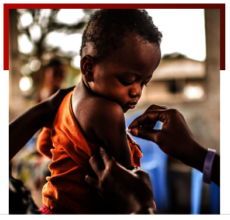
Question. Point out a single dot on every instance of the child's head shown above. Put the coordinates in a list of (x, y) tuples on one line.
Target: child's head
[(120, 51)]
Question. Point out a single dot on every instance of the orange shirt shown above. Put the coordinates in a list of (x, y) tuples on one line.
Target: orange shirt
[(65, 144)]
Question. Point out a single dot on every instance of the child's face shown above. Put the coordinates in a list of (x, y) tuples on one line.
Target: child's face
[(122, 76)]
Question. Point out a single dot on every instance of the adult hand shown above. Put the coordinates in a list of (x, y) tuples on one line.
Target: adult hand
[(127, 191), (175, 137)]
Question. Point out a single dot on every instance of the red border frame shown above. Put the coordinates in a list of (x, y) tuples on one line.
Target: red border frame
[(99, 6)]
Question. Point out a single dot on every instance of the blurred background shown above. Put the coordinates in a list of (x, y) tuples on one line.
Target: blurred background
[(44, 56)]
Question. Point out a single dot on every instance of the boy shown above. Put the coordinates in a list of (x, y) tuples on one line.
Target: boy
[(120, 51)]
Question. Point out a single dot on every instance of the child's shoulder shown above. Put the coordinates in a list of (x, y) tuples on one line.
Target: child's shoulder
[(97, 115), (105, 108)]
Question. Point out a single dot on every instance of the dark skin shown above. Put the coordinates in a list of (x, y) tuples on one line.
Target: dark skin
[(26, 125), (23, 128), (108, 89), (20, 132), (115, 183), (114, 179), (127, 191), (175, 138)]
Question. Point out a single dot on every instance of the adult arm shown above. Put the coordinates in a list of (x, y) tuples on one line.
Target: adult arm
[(27, 124), (175, 138)]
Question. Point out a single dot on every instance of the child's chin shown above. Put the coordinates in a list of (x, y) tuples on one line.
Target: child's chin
[(125, 109)]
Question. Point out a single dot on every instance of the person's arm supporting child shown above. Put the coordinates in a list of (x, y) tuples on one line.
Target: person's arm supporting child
[(26, 125)]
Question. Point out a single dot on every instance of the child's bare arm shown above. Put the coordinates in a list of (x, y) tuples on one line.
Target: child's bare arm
[(109, 127)]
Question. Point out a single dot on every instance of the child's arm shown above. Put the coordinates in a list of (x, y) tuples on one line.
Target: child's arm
[(109, 127)]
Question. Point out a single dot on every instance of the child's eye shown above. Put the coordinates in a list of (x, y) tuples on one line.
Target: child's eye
[(125, 83)]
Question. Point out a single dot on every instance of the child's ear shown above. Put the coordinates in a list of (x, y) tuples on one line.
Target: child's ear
[(87, 67)]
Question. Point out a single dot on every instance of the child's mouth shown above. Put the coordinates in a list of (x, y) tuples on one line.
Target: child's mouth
[(131, 105)]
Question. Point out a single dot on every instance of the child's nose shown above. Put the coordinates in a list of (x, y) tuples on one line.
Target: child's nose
[(135, 91)]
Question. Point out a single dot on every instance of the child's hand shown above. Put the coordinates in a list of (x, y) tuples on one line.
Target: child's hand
[(127, 191)]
